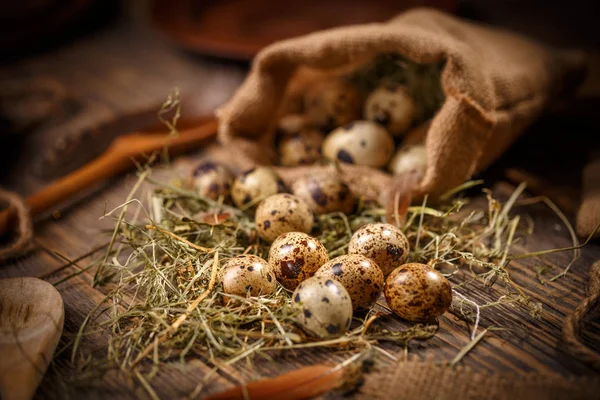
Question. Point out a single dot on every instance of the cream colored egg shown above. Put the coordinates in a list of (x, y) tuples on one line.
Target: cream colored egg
[(359, 142), (361, 277), (417, 292), (248, 275), (409, 159), (383, 243), (291, 124), (302, 148), (211, 180), (296, 256), (282, 213), (255, 185), (324, 307), (393, 107), (325, 193), (332, 102)]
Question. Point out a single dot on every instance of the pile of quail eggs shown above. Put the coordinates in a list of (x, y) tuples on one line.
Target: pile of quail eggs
[(325, 293), (336, 124)]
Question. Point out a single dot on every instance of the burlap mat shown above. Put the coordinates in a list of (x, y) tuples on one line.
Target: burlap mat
[(426, 380)]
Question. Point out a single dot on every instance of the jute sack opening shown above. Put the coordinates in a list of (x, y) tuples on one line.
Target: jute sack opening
[(496, 84)]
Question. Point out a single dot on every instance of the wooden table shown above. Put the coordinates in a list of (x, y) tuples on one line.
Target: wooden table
[(127, 66)]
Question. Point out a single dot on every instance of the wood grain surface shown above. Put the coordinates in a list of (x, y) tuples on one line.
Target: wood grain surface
[(127, 67)]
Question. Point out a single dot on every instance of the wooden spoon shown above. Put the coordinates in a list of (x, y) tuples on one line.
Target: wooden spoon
[(31, 322), (116, 159)]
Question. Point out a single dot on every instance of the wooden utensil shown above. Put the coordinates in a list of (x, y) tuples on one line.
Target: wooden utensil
[(31, 322), (116, 159), (303, 383)]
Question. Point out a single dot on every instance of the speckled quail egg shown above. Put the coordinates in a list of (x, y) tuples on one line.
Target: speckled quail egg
[(391, 106), (417, 292), (324, 307), (361, 277), (282, 213), (296, 256), (248, 274), (325, 193), (383, 243), (254, 185), (332, 102), (292, 123), (409, 159), (359, 142), (301, 148), (211, 180)]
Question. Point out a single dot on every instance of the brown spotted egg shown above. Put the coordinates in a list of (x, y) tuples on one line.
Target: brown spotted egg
[(211, 180), (417, 292), (361, 277), (324, 307), (282, 213), (325, 193), (248, 275), (393, 107), (359, 142), (332, 102), (301, 148), (383, 243), (409, 159), (296, 256), (254, 185)]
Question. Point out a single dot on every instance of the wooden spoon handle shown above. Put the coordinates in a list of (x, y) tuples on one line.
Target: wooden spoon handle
[(116, 159)]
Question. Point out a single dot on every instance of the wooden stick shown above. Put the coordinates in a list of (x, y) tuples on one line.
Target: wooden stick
[(303, 383), (117, 158)]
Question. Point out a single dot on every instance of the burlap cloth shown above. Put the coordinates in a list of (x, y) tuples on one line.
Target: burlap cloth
[(588, 215), (496, 83)]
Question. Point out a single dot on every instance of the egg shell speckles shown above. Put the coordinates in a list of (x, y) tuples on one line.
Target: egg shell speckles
[(332, 102), (211, 180), (302, 148), (324, 307), (255, 184), (417, 292), (361, 277), (392, 106), (248, 274), (383, 243), (361, 143), (282, 213), (325, 194), (295, 257)]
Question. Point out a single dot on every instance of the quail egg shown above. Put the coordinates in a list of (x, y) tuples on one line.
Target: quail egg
[(361, 277), (332, 102), (254, 185), (301, 148), (417, 292), (383, 243), (248, 275), (296, 256), (392, 106), (282, 213), (359, 142), (409, 159), (291, 124), (324, 307), (211, 180), (325, 193)]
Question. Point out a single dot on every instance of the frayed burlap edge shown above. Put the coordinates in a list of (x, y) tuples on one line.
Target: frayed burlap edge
[(23, 231)]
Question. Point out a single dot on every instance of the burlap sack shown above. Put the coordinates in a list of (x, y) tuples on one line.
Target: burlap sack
[(496, 84)]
